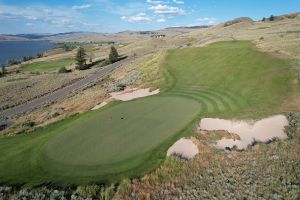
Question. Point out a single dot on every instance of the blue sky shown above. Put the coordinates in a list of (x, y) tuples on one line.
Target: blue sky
[(54, 16)]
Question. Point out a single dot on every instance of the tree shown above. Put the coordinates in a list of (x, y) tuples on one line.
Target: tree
[(91, 57), (11, 62), (63, 70), (113, 55), (39, 55), (3, 70), (272, 18), (27, 58), (263, 19), (81, 58)]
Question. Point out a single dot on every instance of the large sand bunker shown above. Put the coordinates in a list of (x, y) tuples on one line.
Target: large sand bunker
[(128, 95), (263, 130), (184, 148)]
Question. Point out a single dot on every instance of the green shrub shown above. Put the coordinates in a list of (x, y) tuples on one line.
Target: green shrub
[(88, 191), (28, 123), (27, 58), (39, 55), (109, 192), (123, 187), (105, 63), (291, 129), (113, 55), (63, 70)]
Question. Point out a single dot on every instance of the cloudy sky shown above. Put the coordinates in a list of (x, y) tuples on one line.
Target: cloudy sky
[(54, 16)]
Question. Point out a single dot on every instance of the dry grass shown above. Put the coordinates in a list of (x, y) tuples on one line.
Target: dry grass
[(21, 88), (74, 103), (260, 172), (282, 37), (152, 74)]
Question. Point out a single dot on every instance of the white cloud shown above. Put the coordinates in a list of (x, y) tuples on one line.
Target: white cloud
[(178, 1), (154, 1), (161, 20), (165, 9), (128, 8), (141, 17), (206, 21), (30, 17), (81, 7), (50, 18)]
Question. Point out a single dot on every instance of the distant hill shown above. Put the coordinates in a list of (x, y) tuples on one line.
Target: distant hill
[(239, 20), (32, 36), (189, 27), (11, 38), (129, 36), (93, 36)]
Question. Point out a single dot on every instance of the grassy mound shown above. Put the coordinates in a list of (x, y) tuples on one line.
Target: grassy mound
[(48, 66)]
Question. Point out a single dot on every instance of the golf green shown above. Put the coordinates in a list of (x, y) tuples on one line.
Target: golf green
[(121, 132), (98, 145)]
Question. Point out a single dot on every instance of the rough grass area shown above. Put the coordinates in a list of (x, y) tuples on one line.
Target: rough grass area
[(152, 72), (230, 79), (47, 66)]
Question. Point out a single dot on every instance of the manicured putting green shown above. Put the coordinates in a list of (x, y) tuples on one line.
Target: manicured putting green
[(103, 145), (121, 132)]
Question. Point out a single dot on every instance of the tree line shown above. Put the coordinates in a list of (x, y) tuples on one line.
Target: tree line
[(271, 18), (81, 58)]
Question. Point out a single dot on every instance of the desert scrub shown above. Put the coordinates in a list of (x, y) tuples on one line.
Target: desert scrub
[(262, 172), (122, 188), (28, 123), (118, 85), (152, 73), (63, 70), (34, 86), (89, 191), (294, 121)]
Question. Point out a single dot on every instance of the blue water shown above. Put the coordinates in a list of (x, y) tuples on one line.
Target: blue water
[(17, 49)]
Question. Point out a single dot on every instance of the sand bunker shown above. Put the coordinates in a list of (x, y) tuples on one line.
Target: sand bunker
[(184, 148), (99, 106), (128, 95), (263, 130)]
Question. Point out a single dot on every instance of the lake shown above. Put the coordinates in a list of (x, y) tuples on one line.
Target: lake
[(17, 49)]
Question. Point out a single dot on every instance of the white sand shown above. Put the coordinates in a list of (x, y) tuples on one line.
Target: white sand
[(99, 105), (133, 94), (183, 147), (263, 130)]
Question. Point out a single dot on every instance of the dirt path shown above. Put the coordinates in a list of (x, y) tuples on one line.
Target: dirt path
[(61, 92)]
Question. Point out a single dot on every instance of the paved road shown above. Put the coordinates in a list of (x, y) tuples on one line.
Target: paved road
[(61, 92)]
